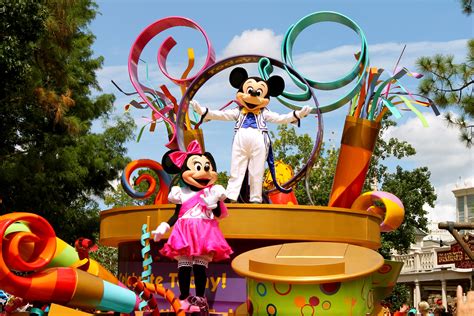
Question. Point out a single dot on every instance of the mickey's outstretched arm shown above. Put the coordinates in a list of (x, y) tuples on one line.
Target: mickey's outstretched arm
[(207, 115)]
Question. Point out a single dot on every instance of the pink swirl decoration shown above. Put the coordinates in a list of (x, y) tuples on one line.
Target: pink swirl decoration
[(142, 40)]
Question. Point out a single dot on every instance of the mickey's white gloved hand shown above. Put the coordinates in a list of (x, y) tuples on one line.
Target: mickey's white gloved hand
[(197, 107), (159, 232), (303, 112), (218, 191), (210, 199)]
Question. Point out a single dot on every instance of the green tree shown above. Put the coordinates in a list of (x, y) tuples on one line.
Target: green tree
[(51, 161), (399, 296), (294, 150), (385, 149), (106, 256), (466, 6), (414, 189), (222, 178), (117, 197), (450, 85)]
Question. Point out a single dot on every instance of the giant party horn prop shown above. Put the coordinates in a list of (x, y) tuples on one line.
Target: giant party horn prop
[(33, 249), (357, 144), (64, 256)]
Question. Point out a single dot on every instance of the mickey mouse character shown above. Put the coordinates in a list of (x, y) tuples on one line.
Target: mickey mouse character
[(196, 238), (251, 145)]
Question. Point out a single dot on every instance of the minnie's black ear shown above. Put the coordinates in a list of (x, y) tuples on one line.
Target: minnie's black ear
[(211, 159), (276, 85), (237, 77), (168, 165)]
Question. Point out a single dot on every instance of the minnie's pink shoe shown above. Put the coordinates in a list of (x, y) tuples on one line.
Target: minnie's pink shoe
[(188, 306), (200, 302)]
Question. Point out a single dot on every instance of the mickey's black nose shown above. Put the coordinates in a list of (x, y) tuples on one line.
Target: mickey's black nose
[(253, 93)]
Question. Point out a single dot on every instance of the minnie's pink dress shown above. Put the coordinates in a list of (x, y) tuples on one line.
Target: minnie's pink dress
[(196, 232)]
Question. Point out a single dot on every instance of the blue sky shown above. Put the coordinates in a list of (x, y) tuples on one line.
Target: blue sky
[(323, 51), (382, 21)]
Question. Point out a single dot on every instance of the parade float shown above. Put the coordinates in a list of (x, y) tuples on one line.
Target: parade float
[(288, 259)]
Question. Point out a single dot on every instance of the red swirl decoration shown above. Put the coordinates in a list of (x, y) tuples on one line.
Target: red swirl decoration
[(164, 178), (31, 251), (41, 240)]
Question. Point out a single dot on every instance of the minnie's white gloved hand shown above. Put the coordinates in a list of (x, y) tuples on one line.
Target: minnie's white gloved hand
[(210, 199), (159, 232)]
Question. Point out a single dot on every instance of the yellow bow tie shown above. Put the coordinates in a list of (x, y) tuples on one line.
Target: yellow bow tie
[(254, 112)]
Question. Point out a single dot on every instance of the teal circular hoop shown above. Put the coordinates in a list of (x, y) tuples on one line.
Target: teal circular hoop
[(359, 70)]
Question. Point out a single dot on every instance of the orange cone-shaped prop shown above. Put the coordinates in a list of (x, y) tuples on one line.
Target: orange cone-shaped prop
[(357, 144)]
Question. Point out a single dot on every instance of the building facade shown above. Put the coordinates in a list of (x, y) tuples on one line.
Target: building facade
[(422, 273), (464, 204)]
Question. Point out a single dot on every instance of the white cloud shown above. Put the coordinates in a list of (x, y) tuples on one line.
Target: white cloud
[(119, 74), (445, 206), (438, 148), (256, 41)]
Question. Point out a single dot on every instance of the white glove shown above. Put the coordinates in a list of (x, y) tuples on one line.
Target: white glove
[(210, 199), (160, 231), (303, 112), (197, 108)]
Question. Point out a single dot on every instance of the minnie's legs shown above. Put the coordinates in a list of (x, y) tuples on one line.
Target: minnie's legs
[(184, 275), (200, 279), (200, 264)]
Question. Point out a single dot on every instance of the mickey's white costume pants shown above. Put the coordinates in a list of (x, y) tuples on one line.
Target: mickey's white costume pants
[(249, 150), (250, 147)]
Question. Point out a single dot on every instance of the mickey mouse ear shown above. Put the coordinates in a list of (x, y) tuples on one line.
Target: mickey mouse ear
[(237, 77), (276, 85)]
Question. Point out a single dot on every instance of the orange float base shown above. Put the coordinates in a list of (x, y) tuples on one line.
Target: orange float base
[(248, 226)]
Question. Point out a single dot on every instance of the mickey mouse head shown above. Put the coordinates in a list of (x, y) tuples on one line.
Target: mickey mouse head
[(254, 92)]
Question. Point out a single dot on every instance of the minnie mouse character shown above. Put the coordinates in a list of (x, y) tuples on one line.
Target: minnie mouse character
[(196, 238), (252, 145)]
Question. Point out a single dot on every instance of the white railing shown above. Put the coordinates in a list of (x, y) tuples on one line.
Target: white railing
[(428, 261), (418, 261), (408, 262)]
